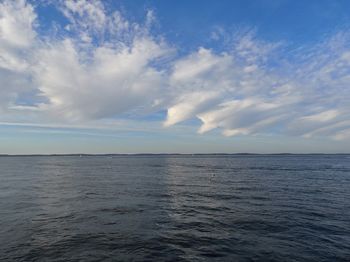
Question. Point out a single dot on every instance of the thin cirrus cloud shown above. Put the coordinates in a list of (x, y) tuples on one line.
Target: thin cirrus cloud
[(101, 66)]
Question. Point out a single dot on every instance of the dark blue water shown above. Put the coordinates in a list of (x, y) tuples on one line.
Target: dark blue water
[(175, 208)]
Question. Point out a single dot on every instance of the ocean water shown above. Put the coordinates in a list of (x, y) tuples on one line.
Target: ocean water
[(175, 208)]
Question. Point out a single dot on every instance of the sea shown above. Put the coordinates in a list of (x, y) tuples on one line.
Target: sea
[(175, 208)]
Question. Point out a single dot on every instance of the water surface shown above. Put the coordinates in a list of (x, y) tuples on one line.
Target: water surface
[(175, 208)]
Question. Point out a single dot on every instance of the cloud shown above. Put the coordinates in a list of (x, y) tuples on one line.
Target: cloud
[(256, 93), (16, 24), (17, 34), (112, 81), (189, 106), (230, 90), (102, 66)]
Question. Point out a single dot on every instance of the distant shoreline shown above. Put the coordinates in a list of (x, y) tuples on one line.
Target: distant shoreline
[(174, 154)]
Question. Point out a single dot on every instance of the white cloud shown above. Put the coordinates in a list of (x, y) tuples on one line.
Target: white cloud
[(16, 38), (240, 117), (189, 105), (83, 14), (321, 117), (308, 97), (16, 24), (112, 81)]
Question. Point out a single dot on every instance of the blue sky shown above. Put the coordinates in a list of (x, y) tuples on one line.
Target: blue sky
[(174, 76)]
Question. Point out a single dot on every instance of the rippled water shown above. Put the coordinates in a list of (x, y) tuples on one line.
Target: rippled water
[(175, 208)]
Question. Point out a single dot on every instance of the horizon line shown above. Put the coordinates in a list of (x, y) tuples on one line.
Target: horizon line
[(165, 154)]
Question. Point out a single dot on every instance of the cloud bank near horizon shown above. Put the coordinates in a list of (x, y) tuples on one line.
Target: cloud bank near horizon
[(99, 66)]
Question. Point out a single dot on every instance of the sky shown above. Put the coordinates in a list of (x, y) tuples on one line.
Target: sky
[(267, 76)]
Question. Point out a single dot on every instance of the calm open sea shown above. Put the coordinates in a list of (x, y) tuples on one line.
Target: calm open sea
[(175, 208)]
